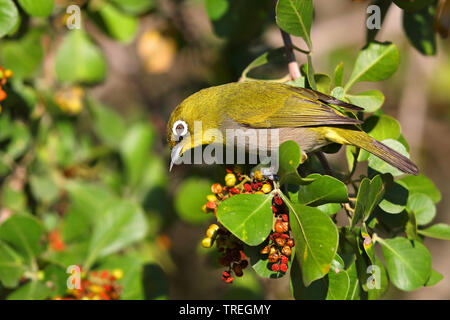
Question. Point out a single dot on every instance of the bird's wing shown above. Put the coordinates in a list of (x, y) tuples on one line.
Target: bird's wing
[(281, 106)]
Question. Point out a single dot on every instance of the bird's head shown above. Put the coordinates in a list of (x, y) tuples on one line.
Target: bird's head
[(192, 124)]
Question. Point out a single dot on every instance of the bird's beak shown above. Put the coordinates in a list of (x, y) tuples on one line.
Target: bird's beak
[(175, 154)]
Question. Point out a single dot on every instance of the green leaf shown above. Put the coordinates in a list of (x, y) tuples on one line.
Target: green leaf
[(324, 189), (422, 207), (338, 281), (421, 184), (329, 208), (370, 194), (371, 100), (41, 8), (23, 56), (316, 240), (190, 198), (437, 231), (78, 59), (376, 62), (338, 93), (56, 278), (295, 17), (135, 150), (32, 290), (121, 224), (419, 29), (310, 73), (323, 82), (339, 74), (413, 5), (12, 199), (382, 166), (263, 59), (354, 287), (382, 127), (248, 216), (216, 8), (108, 124), (379, 281), (11, 266), (411, 227), (44, 188), (23, 233), (120, 26), (434, 279), (20, 140), (135, 7), (290, 157), (408, 262), (395, 196), (8, 16)]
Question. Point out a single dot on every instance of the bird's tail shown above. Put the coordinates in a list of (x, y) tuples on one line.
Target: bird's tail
[(364, 141)]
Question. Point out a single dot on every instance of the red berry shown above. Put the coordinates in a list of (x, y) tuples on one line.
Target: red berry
[(274, 209), (278, 200), (211, 205), (229, 280), (247, 187), (285, 217), (279, 227), (284, 259), (286, 251), (283, 267), (280, 241), (290, 242), (275, 267), (273, 257)]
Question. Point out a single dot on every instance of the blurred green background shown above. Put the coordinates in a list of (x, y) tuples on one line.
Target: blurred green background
[(83, 155)]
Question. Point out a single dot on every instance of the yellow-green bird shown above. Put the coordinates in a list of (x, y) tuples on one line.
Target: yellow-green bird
[(303, 115)]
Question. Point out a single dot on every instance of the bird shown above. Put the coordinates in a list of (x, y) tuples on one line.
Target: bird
[(310, 118)]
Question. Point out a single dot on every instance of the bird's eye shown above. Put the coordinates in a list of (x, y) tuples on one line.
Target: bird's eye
[(180, 128)]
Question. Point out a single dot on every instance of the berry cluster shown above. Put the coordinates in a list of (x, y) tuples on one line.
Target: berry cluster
[(4, 76), (280, 244), (96, 285), (231, 251), (256, 184)]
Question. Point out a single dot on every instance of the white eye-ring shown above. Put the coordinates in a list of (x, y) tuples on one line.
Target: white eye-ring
[(180, 128)]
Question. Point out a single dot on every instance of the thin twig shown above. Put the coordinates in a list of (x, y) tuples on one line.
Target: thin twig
[(324, 163)]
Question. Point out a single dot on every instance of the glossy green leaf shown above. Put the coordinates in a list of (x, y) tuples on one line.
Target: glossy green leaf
[(190, 198), (56, 279), (8, 16), (338, 282), (438, 231), (354, 286), (419, 29), (395, 196), (378, 280), (370, 194), (371, 100), (121, 224), (376, 62), (381, 165), (408, 262), (421, 184), (295, 17), (78, 59), (290, 157), (422, 207), (248, 216), (316, 240), (41, 8), (120, 26), (324, 189), (310, 73), (11, 266), (382, 127), (323, 82), (411, 227), (329, 208)]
